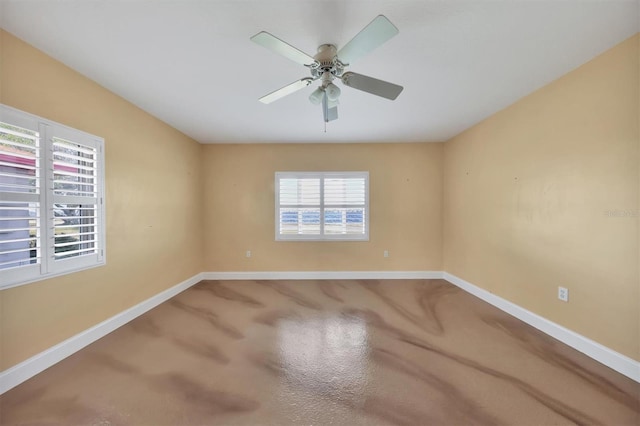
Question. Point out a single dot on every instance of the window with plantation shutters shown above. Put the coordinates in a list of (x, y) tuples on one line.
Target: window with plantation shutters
[(322, 206), (51, 199)]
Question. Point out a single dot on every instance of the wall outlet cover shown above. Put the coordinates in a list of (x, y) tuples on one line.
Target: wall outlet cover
[(563, 294)]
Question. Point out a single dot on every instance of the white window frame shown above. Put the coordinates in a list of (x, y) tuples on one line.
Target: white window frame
[(48, 267), (321, 236)]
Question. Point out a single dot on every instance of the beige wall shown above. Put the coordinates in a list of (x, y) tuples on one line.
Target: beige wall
[(526, 194), (153, 211), (405, 207), (524, 199)]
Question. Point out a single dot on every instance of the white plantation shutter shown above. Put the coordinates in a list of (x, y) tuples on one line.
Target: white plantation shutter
[(51, 198), (20, 198), (322, 205), (75, 201), (345, 205), (299, 212)]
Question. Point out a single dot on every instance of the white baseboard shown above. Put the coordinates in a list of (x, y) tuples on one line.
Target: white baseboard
[(612, 359), (25, 370), (19, 373), (323, 275)]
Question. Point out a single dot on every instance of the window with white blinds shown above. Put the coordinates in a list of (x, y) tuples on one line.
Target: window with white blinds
[(51, 199), (322, 206)]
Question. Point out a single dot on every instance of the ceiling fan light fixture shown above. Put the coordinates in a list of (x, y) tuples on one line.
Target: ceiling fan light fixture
[(333, 92), (316, 96), (329, 64)]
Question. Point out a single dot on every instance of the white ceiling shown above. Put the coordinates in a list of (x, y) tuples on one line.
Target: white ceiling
[(191, 64)]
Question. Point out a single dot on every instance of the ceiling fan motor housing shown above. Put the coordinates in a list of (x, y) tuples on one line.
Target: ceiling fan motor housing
[(326, 60)]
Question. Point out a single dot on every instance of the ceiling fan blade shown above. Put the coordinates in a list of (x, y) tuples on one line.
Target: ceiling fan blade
[(286, 90), (368, 39), (278, 46), (329, 109), (372, 85)]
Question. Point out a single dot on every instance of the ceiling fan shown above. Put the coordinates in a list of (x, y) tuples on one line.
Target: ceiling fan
[(329, 64)]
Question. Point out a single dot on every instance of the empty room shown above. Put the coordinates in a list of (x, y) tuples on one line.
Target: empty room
[(314, 212)]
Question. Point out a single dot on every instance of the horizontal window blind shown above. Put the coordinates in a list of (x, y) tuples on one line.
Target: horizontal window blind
[(322, 205)]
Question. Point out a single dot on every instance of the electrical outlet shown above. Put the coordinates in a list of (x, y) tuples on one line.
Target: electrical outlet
[(563, 294), (385, 253), (248, 253)]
